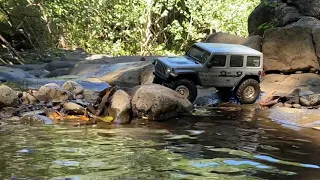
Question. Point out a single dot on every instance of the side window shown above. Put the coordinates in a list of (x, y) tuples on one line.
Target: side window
[(253, 61), (236, 61), (218, 61)]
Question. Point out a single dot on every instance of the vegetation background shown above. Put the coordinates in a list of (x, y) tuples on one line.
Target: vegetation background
[(122, 27)]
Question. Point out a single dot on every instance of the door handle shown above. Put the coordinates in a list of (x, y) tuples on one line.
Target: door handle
[(223, 72), (239, 73)]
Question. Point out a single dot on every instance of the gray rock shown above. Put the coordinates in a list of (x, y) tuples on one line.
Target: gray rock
[(35, 120), (298, 106), (2, 79), (120, 108), (28, 67), (306, 93), (74, 87), (52, 92), (314, 99), (13, 74), (308, 8), (253, 42), (157, 102), (304, 101), (289, 50), (280, 104), (74, 108), (262, 15), (32, 113), (8, 97), (288, 105), (60, 64), (314, 70), (59, 72), (39, 73), (130, 76)]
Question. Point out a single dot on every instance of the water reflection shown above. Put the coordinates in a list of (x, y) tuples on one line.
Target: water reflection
[(215, 145)]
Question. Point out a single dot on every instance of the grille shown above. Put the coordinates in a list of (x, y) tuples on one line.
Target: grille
[(160, 68)]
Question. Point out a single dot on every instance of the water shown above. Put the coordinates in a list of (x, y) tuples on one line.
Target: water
[(213, 145)]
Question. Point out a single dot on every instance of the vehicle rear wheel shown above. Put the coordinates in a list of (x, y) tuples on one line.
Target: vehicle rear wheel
[(186, 88), (248, 91)]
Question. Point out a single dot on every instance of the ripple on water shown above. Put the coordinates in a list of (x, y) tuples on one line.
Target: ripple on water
[(200, 148)]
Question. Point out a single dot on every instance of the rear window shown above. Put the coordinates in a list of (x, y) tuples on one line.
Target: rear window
[(218, 61), (253, 61), (236, 61)]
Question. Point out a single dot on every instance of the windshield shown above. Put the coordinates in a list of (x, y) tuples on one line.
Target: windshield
[(198, 54)]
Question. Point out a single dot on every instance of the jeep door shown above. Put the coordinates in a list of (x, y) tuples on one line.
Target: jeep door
[(214, 72), (235, 69)]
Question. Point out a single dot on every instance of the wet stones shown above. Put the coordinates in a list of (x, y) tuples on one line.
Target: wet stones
[(75, 88), (296, 99), (8, 97), (35, 120)]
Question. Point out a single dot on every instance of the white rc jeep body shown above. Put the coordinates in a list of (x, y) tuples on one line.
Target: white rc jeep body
[(223, 66)]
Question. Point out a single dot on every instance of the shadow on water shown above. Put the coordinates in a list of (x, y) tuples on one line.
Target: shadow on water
[(212, 145)]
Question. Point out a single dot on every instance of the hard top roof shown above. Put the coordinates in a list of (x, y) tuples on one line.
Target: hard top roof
[(228, 48)]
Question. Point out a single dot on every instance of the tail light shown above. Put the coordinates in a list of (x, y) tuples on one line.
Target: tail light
[(263, 74)]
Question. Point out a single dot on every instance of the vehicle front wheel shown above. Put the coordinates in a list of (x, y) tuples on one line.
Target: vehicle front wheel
[(186, 88), (156, 80), (248, 91)]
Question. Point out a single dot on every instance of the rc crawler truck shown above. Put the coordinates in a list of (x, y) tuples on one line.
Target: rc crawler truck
[(227, 67)]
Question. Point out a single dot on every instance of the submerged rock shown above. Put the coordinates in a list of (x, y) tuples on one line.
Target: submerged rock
[(13, 74), (35, 120), (60, 64), (120, 108), (157, 102), (8, 97)]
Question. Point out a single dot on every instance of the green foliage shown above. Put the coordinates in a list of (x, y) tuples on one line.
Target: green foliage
[(266, 26), (126, 27)]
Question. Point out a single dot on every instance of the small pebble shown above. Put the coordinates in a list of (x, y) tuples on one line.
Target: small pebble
[(288, 105), (298, 106)]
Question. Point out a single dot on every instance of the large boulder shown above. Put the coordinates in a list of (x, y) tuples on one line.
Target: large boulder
[(307, 82), (120, 108), (157, 102), (289, 50), (308, 7), (130, 76), (52, 92), (261, 15), (253, 42), (8, 97), (270, 14)]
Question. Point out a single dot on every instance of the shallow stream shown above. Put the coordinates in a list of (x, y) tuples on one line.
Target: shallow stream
[(212, 145)]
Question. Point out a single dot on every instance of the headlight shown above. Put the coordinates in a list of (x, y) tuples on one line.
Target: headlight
[(169, 70)]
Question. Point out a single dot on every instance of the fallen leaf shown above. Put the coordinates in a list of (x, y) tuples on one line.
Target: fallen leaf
[(107, 119)]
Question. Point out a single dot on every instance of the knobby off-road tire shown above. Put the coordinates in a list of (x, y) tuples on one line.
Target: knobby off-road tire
[(248, 91), (157, 80), (179, 84)]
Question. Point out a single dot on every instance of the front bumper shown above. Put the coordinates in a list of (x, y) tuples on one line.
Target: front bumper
[(164, 81)]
